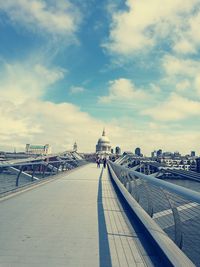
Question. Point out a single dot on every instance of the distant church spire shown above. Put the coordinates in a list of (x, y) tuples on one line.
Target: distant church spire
[(104, 132), (75, 147)]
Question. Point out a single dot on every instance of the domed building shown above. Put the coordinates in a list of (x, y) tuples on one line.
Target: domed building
[(103, 146)]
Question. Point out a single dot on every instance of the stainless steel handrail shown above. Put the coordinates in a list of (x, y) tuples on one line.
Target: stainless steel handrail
[(171, 251), (173, 188)]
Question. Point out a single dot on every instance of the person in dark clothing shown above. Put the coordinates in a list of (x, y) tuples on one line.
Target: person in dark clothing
[(98, 162), (104, 162)]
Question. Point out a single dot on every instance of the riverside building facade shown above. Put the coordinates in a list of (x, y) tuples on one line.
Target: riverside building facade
[(38, 149)]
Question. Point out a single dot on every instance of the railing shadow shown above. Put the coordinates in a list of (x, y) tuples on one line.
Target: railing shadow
[(104, 250)]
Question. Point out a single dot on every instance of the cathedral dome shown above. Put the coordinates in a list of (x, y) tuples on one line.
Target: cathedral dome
[(103, 144), (103, 139)]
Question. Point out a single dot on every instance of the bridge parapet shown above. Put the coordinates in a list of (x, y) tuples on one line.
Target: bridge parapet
[(171, 208), (24, 172)]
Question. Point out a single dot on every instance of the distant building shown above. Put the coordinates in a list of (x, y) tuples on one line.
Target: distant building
[(198, 164), (118, 150), (192, 153), (177, 154), (127, 153), (193, 166), (112, 150), (168, 155), (75, 147), (159, 153), (154, 154), (176, 161), (103, 146), (138, 151), (38, 149), (2, 156)]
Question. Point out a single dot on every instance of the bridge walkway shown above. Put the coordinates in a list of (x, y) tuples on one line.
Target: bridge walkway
[(73, 221)]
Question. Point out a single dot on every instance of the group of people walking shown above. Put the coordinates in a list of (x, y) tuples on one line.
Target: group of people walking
[(99, 161)]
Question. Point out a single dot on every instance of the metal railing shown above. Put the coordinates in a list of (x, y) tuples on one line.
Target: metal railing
[(175, 209), (29, 172)]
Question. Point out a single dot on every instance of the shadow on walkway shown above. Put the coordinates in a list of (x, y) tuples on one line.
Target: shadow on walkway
[(104, 251)]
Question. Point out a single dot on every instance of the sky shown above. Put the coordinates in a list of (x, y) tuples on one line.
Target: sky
[(70, 68)]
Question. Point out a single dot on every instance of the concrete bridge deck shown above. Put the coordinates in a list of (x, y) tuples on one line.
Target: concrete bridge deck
[(75, 221)]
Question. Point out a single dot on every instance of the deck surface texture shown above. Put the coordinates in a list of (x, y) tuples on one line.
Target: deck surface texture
[(73, 221)]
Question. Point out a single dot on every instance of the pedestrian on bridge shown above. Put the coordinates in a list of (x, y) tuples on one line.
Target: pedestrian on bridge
[(104, 162), (98, 162)]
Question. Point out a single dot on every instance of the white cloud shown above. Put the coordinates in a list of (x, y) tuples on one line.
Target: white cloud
[(183, 85), (173, 109), (25, 118), (122, 90), (178, 66), (76, 89), (184, 46), (128, 134), (184, 73), (183, 141), (40, 122), (20, 82), (197, 84), (60, 18), (145, 23), (12, 123), (194, 27), (188, 41), (43, 122), (155, 88)]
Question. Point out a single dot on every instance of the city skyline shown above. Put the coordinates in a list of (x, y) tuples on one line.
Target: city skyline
[(68, 69)]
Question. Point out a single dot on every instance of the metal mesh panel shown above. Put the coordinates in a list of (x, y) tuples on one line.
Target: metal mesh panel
[(177, 216)]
